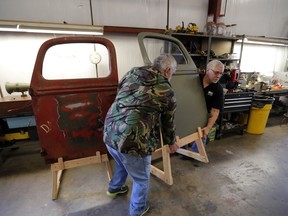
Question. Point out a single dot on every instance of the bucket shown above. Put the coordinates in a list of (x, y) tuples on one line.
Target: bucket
[(212, 134), (259, 114)]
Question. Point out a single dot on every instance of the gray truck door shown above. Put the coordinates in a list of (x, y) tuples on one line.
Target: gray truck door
[(191, 107)]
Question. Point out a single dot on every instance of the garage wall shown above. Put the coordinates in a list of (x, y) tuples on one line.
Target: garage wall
[(18, 51), (258, 17), (253, 17), (129, 13), (71, 11)]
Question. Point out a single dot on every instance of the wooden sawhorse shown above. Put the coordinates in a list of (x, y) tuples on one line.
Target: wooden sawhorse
[(58, 168), (164, 152)]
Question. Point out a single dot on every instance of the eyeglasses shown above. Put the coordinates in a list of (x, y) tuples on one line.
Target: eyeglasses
[(217, 72)]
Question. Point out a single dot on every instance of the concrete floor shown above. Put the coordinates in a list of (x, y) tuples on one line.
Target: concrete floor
[(247, 175)]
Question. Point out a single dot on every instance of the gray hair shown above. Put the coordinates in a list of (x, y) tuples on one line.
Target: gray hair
[(163, 62), (215, 63)]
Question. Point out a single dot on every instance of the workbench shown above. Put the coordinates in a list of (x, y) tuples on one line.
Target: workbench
[(274, 93), (12, 106), (279, 105), (16, 119)]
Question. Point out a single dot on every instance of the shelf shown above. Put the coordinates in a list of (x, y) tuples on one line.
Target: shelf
[(226, 37), (234, 129), (200, 47), (220, 59), (134, 30), (237, 109), (224, 59), (207, 36), (189, 35), (197, 55), (239, 128)]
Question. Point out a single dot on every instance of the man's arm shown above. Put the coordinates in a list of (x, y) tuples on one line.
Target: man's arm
[(211, 121)]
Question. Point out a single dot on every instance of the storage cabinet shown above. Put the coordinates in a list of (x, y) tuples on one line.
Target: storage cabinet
[(204, 48), (235, 113)]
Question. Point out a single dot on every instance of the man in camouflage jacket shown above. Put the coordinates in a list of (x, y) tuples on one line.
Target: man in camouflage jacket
[(144, 105)]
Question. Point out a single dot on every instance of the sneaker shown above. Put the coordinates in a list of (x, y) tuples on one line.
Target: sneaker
[(114, 192), (146, 209)]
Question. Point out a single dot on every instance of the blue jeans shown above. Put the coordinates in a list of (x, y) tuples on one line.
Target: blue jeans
[(139, 170), (194, 146)]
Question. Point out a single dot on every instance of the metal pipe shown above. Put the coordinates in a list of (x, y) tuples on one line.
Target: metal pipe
[(1, 94), (168, 7), (91, 12), (92, 23)]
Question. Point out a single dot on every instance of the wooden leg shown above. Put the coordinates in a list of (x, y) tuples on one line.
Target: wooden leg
[(167, 165), (56, 178), (105, 159), (165, 174)]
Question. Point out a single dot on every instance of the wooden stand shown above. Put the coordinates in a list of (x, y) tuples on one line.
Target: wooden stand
[(164, 152), (58, 168)]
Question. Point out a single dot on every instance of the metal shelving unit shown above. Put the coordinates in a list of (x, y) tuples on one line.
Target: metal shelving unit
[(204, 48)]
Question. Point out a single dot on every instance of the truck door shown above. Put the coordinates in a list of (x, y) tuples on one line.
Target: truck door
[(191, 110), (73, 84)]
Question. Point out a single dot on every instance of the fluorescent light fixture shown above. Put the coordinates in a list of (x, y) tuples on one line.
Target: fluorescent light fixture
[(265, 41), (54, 28)]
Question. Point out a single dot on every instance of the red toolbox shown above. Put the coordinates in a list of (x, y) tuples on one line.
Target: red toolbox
[(70, 112)]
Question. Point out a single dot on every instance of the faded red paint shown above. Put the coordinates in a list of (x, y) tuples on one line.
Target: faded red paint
[(70, 114)]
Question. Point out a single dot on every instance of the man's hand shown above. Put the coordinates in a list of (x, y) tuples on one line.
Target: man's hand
[(205, 131), (173, 148)]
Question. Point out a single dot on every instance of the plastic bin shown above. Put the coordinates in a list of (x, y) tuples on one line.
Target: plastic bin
[(259, 113), (212, 134)]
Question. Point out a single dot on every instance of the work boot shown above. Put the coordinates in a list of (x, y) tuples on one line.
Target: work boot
[(120, 191)]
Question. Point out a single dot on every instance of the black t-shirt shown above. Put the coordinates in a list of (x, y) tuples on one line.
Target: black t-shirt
[(213, 95)]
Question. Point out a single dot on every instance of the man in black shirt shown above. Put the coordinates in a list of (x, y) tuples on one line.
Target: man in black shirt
[(213, 95)]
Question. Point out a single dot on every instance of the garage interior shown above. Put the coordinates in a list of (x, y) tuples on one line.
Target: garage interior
[(246, 169)]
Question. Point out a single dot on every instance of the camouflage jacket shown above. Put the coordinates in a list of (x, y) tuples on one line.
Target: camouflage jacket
[(145, 100)]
